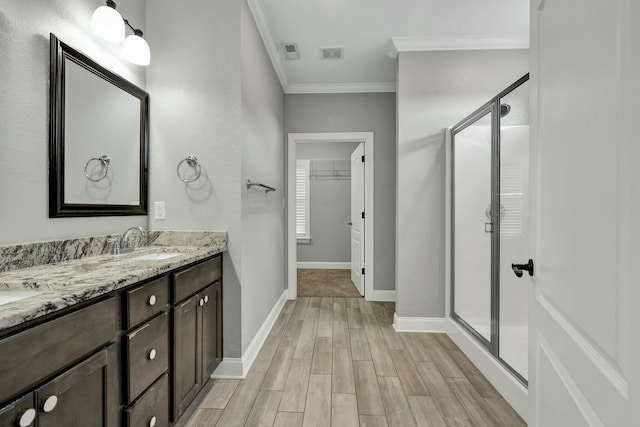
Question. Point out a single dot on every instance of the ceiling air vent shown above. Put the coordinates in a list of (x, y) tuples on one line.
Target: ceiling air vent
[(290, 50), (332, 52)]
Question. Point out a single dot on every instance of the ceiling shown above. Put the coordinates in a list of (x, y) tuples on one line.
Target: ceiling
[(372, 32)]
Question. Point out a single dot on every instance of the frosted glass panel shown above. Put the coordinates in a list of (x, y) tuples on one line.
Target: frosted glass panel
[(472, 245), (514, 229)]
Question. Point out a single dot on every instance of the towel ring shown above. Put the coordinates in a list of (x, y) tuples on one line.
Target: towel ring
[(194, 163), (105, 161)]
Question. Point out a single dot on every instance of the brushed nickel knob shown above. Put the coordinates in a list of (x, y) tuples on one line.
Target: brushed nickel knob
[(152, 300), (206, 298), (27, 418), (201, 302), (49, 403), (152, 354), (152, 421)]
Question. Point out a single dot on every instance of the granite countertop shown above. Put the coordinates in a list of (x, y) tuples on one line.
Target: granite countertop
[(62, 284)]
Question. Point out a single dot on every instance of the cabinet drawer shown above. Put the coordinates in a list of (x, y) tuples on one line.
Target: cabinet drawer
[(143, 302), (191, 280), (20, 411), (147, 355), (152, 409), (30, 356)]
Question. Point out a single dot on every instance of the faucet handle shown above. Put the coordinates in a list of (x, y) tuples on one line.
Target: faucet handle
[(115, 245)]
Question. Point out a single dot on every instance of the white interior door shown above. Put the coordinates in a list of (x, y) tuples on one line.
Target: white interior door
[(585, 139), (357, 218)]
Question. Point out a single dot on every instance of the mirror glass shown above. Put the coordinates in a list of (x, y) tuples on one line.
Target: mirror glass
[(98, 147)]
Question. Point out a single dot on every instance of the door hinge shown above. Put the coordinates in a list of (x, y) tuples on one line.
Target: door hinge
[(362, 214), (362, 159), (363, 270)]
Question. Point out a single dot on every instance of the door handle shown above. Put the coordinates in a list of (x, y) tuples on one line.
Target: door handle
[(518, 269)]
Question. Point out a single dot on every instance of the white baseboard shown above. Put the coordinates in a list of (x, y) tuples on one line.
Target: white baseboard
[(383, 295), (506, 384), (420, 324), (238, 367), (324, 265)]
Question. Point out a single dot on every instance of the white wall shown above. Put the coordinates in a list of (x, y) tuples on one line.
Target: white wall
[(263, 160), (329, 206), (212, 95), (435, 91), (24, 114), (359, 112)]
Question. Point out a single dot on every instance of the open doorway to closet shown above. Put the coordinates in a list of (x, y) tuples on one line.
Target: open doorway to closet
[(330, 214)]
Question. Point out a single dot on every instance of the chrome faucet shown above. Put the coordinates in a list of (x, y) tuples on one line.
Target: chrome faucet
[(126, 244)]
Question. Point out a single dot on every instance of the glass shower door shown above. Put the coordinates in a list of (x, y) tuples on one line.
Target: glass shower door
[(472, 183)]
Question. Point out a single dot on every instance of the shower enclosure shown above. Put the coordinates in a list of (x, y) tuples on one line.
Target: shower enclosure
[(490, 225)]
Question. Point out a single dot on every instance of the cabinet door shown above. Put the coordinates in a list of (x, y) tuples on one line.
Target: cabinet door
[(81, 396), (187, 362), (211, 330), (19, 413)]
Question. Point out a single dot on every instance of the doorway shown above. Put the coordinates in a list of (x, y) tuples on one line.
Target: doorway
[(360, 236)]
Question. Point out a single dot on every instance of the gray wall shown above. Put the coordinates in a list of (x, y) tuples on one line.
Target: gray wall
[(361, 112), (435, 90), (213, 96), (24, 112), (329, 207)]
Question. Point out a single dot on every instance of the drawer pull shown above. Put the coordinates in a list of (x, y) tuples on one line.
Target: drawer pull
[(152, 300), (152, 421), (49, 404), (27, 418), (201, 302), (206, 298), (152, 354)]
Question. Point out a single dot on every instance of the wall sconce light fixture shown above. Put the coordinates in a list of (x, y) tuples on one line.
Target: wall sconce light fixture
[(107, 23)]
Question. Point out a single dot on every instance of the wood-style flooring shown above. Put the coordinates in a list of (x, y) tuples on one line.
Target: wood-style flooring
[(339, 362)]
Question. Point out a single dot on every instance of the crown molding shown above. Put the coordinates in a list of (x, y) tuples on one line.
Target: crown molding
[(430, 44), (260, 18), (341, 88)]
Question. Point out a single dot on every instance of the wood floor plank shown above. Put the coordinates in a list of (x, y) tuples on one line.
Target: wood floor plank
[(381, 357), (475, 377), (342, 380), (440, 391), (409, 377), (220, 394), (395, 403), (371, 326), (263, 360), (300, 309), (204, 417), (478, 411), (317, 411), (379, 311), (280, 324), (391, 337), (326, 306), (304, 348), (426, 412), (325, 325), (322, 356), (289, 306), (311, 318), (365, 306), (352, 302), (458, 422), (359, 345), (440, 357), (344, 410), (277, 374), (341, 334), (505, 413), (294, 327), (367, 389), (295, 389), (446, 342), (354, 318), (288, 419), (263, 413), (339, 309), (373, 421), (238, 408), (315, 302), (414, 347)]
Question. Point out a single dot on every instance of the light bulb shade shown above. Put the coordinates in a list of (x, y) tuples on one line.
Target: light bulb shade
[(135, 49), (108, 24)]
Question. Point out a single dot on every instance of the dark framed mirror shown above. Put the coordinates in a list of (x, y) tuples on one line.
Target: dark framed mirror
[(98, 138)]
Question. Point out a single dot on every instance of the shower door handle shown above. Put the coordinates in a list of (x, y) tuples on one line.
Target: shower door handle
[(518, 269)]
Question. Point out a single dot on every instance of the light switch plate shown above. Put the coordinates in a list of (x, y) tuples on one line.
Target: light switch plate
[(158, 209)]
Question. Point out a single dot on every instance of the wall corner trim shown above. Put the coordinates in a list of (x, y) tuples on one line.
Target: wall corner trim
[(437, 325), (324, 265), (237, 368), (430, 44)]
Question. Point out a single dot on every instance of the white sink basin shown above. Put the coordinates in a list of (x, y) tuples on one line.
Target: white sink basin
[(157, 256), (7, 297)]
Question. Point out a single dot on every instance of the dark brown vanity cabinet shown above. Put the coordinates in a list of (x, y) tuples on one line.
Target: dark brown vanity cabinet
[(197, 330)]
